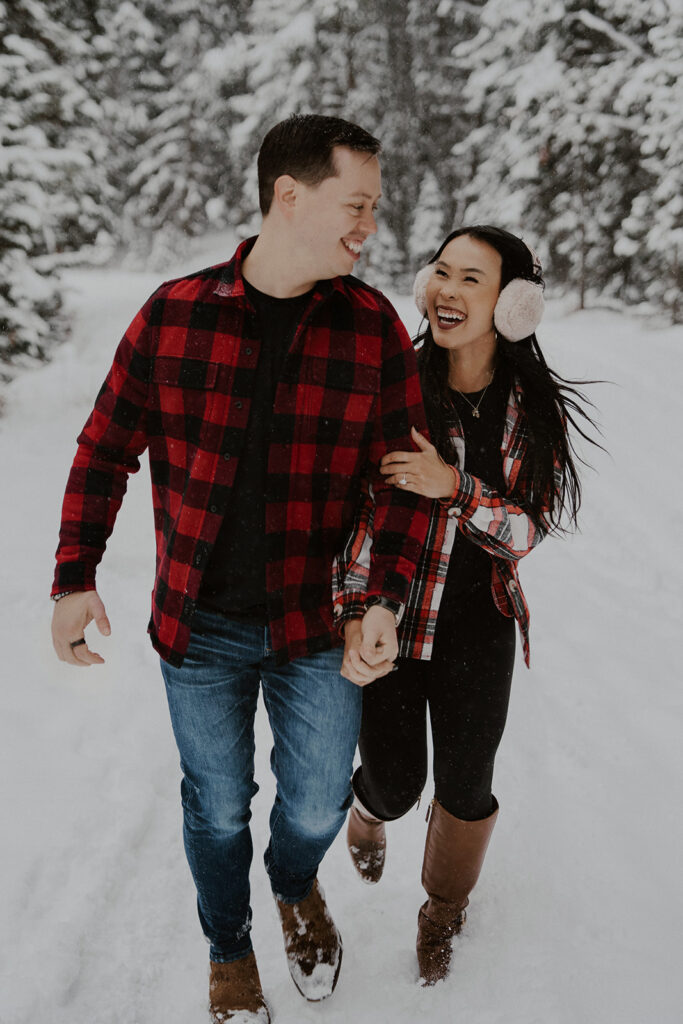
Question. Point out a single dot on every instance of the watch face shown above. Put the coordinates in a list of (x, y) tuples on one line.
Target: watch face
[(383, 602)]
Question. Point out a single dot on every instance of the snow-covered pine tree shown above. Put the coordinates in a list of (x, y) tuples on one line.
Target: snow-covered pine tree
[(428, 221), (169, 121), (496, 157), (335, 67), (553, 155), (347, 58), (265, 75), (652, 100), (335, 57), (129, 84), (590, 167), (384, 102), (51, 185), (560, 119), (436, 28)]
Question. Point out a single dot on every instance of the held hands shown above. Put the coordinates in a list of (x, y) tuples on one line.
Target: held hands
[(422, 472), (370, 647), (70, 617)]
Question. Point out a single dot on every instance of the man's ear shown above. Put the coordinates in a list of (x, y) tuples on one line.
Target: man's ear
[(285, 192)]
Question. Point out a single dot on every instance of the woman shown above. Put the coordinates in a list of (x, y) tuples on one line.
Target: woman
[(501, 467)]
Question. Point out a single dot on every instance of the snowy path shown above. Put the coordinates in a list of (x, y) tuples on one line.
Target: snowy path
[(578, 915)]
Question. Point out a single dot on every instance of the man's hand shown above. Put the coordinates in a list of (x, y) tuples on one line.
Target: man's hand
[(71, 615), (371, 646)]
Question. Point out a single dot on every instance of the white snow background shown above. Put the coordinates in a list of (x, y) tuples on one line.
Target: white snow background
[(577, 916)]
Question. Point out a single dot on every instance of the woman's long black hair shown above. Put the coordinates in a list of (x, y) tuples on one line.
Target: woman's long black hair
[(550, 403)]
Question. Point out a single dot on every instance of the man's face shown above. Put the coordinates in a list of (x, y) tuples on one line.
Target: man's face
[(333, 219)]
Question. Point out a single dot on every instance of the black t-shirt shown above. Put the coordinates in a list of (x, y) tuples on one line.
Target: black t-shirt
[(470, 565), (234, 582)]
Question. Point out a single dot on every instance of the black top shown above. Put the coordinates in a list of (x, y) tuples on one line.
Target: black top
[(234, 582), (470, 565)]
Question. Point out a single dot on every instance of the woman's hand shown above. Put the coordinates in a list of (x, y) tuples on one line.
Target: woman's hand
[(370, 646), (422, 472)]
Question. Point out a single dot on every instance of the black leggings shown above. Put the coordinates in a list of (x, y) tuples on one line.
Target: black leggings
[(467, 687)]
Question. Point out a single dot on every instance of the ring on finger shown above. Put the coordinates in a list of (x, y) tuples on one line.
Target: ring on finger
[(403, 481), (76, 643)]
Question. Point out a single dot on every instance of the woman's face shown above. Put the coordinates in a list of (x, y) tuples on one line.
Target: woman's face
[(462, 293)]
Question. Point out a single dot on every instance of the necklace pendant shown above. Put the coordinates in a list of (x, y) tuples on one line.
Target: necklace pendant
[(475, 413)]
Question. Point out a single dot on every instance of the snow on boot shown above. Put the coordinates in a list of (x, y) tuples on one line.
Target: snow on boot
[(453, 859), (437, 923), (235, 993), (312, 944), (367, 842)]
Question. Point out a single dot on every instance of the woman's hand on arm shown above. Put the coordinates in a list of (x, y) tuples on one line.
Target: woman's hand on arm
[(424, 471)]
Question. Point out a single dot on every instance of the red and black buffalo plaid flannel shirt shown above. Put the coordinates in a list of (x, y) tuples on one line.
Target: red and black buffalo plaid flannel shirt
[(180, 386), (501, 524)]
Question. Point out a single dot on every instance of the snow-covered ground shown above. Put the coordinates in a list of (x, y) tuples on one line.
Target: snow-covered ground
[(577, 917)]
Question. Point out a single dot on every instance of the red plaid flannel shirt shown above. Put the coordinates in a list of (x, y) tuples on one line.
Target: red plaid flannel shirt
[(501, 524), (180, 386)]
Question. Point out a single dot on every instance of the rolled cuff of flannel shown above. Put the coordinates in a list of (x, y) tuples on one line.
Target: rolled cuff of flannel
[(354, 604), (60, 588), (348, 605), (465, 497)]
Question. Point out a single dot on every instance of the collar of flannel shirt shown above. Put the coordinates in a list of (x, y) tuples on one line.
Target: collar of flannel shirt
[(231, 279)]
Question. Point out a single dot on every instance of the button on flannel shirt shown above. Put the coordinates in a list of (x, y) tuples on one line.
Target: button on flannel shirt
[(180, 386), (501, 524)]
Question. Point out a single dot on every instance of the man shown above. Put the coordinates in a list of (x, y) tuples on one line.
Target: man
[(264, 388)]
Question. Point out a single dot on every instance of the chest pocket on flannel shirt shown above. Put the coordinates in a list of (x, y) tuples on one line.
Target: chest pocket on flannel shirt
[(339, 396), (181, 395)]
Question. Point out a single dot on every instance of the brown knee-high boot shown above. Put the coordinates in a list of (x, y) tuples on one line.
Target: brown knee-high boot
[(367, 842), (453, 858)]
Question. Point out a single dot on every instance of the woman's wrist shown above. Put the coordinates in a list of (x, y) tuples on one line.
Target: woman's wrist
[(453, 483)]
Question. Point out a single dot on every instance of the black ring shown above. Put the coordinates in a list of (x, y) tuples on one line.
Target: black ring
[(76, 643)]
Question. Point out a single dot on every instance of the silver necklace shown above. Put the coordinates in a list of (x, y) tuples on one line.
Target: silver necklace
[(473, 407)]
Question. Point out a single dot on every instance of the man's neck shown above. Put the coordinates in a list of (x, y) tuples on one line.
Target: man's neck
[(273, 268)]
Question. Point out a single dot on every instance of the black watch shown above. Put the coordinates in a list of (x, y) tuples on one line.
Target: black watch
[(385, 602)]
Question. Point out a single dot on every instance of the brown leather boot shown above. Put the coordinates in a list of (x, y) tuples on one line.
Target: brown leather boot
[(453, 858), (367, 842), (235, 993), (312, 944)]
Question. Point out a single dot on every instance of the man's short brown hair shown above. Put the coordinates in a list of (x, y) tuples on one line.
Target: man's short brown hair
[(302, 146)]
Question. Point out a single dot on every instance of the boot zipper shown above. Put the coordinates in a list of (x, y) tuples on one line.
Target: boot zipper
[(429, 809)]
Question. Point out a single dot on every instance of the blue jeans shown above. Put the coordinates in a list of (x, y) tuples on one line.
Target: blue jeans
[(314, 715)]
